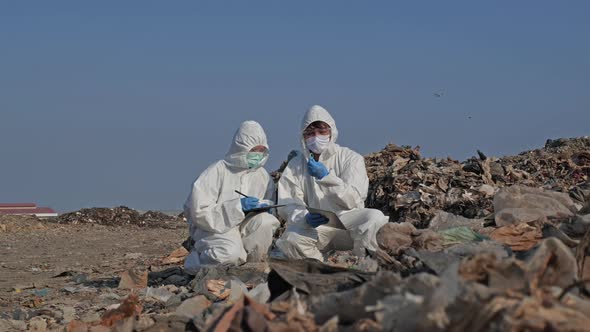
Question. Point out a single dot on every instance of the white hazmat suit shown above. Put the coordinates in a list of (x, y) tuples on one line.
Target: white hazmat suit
[(220, 229), (342, 191)]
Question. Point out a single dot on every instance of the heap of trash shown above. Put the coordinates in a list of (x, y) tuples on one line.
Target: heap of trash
[(523, 270), (484, 245), (121, 215), (410, 188)]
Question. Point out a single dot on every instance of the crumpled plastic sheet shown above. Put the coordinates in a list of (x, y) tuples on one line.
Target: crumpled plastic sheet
[(350, 305), (552, 264), (444, 220), (394, 238), (312, 277), (473, 286), (441, 260), (519, 204), (457, 235), (486, 293)]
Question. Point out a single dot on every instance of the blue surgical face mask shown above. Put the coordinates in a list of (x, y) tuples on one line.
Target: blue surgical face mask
[(254, 159)]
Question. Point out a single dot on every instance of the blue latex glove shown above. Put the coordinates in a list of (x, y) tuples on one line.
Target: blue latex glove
[(315, 219), (316, 169), (248, 203)]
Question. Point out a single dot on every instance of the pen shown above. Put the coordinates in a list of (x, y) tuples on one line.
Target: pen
[(241, 193)]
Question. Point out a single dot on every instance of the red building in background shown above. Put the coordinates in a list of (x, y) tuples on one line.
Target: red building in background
[(26, 209)]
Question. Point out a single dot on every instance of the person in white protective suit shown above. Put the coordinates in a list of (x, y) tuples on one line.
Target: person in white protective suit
[(219, 223), (329, 177)]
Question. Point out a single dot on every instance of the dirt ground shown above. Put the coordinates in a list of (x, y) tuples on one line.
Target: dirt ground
[(90, 259)]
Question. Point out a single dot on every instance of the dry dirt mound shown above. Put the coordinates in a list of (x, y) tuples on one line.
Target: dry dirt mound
[(14, 224)]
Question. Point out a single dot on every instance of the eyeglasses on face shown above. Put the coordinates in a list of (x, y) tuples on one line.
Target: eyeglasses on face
[(259, 148), (308, 132)]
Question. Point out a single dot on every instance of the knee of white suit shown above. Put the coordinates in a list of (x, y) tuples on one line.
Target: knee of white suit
[(368, 219), (363, 225), (367, 238), (295, 245), (258, 234), (262, 222), (213, 256), (223, 254), (377, 217), (192, 262), (259, 230)]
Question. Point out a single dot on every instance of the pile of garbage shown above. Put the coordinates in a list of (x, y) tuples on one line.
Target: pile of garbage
[(484, 245), (118, 216), (410, 188), (524, 270)]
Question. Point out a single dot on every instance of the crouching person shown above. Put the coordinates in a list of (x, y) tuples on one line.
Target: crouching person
[(219, 221), (330, 177)]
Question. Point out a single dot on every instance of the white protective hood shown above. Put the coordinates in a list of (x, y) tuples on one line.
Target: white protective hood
[(248, 135), (318, 113), (343, 191), (213, 208)]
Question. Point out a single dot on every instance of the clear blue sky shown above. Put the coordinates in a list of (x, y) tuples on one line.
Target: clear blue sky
[(125, 102)]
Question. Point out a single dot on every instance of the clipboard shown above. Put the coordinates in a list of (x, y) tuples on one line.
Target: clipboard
[(333, 220), (264, 208)]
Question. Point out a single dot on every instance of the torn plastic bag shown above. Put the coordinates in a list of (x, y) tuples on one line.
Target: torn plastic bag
[(457, 235), (576, 227), (444, 220), (311, 276), (439, 261), (350, 305), (519, 204), (449, 302), (428, 240), (552, 231), (500, 274), (552, 264), (394, 238)]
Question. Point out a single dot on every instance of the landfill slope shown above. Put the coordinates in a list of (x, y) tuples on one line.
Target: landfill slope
[(408, 187)]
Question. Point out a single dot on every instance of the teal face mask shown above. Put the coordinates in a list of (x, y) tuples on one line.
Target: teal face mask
[(254, 159)]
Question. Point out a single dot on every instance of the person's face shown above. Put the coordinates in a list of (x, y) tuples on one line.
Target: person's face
[(317, 128), (258, 148)]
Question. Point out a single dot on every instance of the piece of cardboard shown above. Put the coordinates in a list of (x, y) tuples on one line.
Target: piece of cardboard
[(333, 220)]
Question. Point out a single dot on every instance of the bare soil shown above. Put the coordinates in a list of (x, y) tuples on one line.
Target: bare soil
[(89, 257)]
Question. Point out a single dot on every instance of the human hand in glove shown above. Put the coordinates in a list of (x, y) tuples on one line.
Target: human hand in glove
[(249, 203), (316, 169), (261, 205), (315, 219)]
